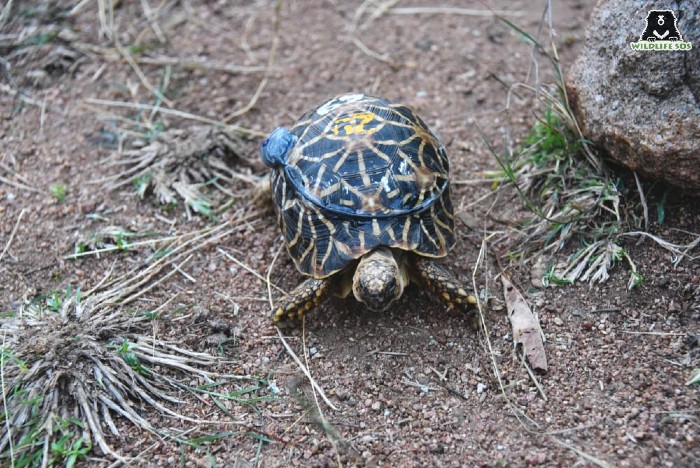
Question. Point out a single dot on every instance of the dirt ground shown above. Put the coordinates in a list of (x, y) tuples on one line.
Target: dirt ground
[(414, 386)]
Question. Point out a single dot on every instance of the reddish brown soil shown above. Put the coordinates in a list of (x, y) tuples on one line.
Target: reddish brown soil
[(414, 386)]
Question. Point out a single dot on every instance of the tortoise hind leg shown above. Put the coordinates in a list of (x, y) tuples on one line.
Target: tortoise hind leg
[(443, 284), (302, 299)]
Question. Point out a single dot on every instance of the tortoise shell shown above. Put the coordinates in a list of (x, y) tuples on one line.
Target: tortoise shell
[(356, 173)]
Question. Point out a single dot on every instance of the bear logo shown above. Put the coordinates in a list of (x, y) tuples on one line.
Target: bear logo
[(661, 26)]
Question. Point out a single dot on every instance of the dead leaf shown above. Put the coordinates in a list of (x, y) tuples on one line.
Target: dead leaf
[(525, 330)]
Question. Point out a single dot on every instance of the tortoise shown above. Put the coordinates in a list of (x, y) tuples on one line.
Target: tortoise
[(361, 191)]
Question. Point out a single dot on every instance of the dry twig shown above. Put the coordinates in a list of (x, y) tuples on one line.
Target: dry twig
[(452, 11), (643, 199), (12, 234), (175, 113), (306, 372)]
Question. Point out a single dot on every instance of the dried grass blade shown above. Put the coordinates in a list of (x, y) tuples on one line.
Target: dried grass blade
[(306, 372)]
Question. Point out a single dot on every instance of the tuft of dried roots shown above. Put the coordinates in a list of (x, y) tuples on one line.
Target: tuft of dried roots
[(178, 162), (67, 371)]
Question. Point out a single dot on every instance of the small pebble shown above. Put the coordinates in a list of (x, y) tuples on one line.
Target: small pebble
[(480, 388)]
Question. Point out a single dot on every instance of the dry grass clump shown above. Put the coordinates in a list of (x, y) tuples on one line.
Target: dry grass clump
[(178, 163), (576, 202), (573, 203), (69, 365)]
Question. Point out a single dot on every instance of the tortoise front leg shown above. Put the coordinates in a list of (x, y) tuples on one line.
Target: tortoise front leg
[(302, 299), (443, 284)]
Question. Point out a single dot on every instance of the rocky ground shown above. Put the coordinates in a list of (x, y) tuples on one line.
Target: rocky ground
[(415, 386)]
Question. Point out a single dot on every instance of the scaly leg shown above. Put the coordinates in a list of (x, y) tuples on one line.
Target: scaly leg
[(443, 284), (302, 299)]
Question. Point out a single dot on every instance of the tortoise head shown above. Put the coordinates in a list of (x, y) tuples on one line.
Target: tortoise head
[(378, 280), (275, 148)]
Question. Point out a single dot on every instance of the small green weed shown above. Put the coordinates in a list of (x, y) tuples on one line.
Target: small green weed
[(7, 355), (69, 448), (53, 301), (242, 396), (112, 239), (125, 351), (138, 49), (159, 315), (142, 183), (201, 205), (58, 191)]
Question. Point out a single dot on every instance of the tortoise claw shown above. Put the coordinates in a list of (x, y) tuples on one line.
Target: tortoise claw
[(444, 284), (302, 299)]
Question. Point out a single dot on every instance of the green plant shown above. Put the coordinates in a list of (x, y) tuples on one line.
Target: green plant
[(53, 301), (142, 183), (126, 353), (58, 191), (574, 201), (69, 448)]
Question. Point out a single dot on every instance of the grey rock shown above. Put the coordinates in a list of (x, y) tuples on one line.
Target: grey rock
[(641, 107)]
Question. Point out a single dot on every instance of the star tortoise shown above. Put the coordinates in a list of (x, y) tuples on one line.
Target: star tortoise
[(361, 190)]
